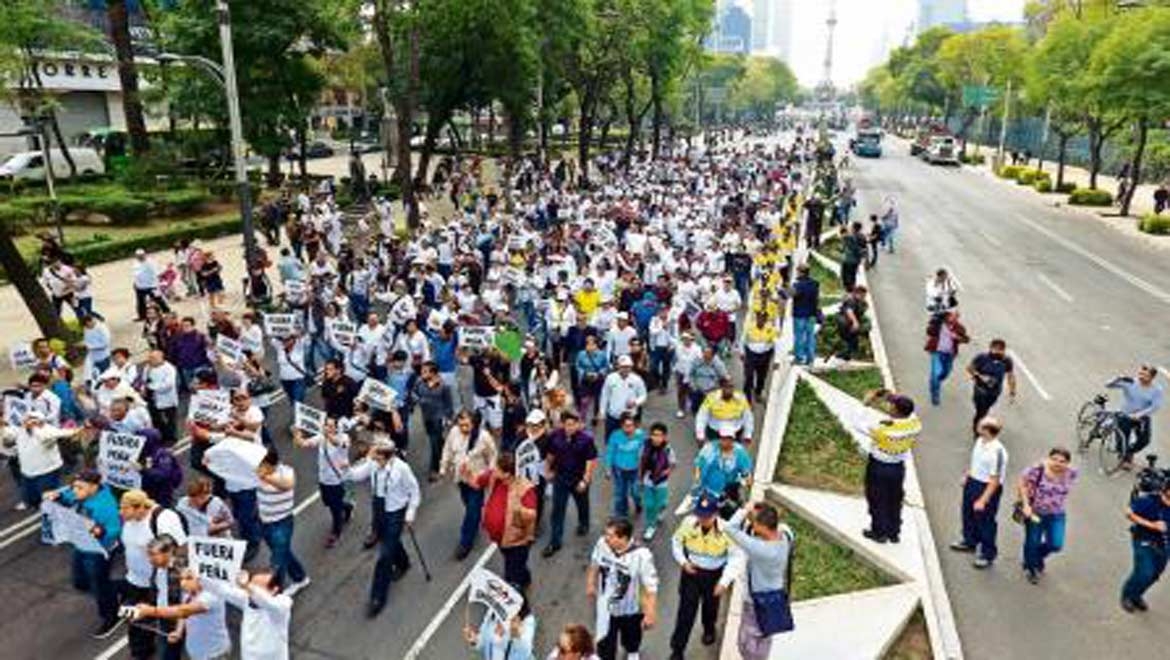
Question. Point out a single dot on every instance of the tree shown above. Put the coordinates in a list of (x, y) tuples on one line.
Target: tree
[(988, 58), (1053, 72), (766, 82), (1131, 66), (127, 76)]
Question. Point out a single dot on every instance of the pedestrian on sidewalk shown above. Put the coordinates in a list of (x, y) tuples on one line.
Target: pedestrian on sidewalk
[(701, 550), (654, 468), (891, 441), (145, 280), (853, 252), (468, 452), (509, 517), (852, 322), (806, 313), (944, 335), (768, 546), (211, 280), (982, 488), (623, 450), (1161, 197), (1042, 490), (1150, 515), (275, 499), (873, 241), (571, 461), (623, 583), (889, 221), (989, 371)]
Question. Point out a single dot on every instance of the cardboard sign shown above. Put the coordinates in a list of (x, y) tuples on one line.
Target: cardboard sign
[(344, 331), (476, 337), (15, 408), (501, 600), (117, 453), (210, 407), (235, 461), (295, 289), (308, 419), (230, 349), (64, 525), (216, 559), (280, 325), (21, 356), (251, 344), (528, 463), (378, 394)]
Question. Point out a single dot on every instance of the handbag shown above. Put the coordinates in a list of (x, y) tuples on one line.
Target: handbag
[(772, 608), (1018, 515)]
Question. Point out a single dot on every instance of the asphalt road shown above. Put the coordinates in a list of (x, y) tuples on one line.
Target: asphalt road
[(1077, 303)]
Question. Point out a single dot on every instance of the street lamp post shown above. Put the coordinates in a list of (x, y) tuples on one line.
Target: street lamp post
[(223, 15)]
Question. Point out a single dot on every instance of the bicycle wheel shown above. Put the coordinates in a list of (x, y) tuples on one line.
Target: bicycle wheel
[(1086, 423), (1110, 448)]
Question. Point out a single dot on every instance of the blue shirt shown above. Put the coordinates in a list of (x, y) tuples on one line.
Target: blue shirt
[(1138, 398), (806, 293), (1153, 509), (717, 471), (102, 509), (443, 352), (623, 451)]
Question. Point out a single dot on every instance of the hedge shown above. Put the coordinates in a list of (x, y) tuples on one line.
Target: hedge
[(972, 159), (1066, 187), (122, 207), (1026, 177), (1009, 171), (1090, 197), (1158, 225), (1043, 185), (102, 252)]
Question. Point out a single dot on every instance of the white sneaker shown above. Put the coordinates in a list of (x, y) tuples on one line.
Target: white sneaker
[(679, 414), (297, 586), (20, 506), (648, 535)]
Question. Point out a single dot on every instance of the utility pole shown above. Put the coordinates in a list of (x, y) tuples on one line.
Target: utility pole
[(1007, 104), (235, 123)]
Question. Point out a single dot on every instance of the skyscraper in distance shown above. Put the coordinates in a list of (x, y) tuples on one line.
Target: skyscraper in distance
[(772, 27), (932, 13)]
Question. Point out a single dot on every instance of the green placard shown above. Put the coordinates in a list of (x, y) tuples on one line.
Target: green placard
[(979, 96)]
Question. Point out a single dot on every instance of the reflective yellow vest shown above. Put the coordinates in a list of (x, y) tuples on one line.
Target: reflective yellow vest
[(896, 437)]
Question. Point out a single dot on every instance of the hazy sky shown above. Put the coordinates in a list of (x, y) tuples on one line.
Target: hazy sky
[(862, 26)]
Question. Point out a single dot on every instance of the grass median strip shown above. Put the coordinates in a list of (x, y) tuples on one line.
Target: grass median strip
[(817, 451), (856, 382), (824, 568), (830, 282)]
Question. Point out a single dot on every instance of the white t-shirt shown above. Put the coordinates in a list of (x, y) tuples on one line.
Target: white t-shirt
[(988, 459), (620, 579), (207, 633), (137, 533)]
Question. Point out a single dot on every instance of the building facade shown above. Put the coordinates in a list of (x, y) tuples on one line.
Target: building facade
[(933, 13), (772, 28)]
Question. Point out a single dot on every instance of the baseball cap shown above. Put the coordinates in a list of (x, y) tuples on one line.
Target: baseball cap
[(535, 417), (625, 361), (706, 505)]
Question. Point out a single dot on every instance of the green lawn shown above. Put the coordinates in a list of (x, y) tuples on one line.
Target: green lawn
[(857, 382), (832, 249), (83, 235), (817, 451), (823, 568), (830, 282)]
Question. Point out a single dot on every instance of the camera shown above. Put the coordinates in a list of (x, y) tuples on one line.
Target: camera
[(1150, 479)]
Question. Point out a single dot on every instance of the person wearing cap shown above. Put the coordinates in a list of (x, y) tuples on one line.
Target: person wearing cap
[(111, 387), (701, 549), (622, 392), (37, 450), (91, 570), (890, 442), (619, 336), (509, 517), (401, 499), (725, 411)]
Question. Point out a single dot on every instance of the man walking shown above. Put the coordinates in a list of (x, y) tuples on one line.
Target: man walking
[(768, 546), (1150, 515), (622, 392), (806, 309), (509, 517), (758, 349), (570, 463), (623, 583), (274, 501), (854, 251), (989, 371), (701, 549), (982, 488), (402, 497), (944, 335)]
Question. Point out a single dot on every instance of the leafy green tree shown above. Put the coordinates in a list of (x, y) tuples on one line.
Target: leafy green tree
[(1055, 66), (766, 82), (992, 57)]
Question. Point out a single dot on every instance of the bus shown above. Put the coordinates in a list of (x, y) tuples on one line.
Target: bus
[(867, 143)]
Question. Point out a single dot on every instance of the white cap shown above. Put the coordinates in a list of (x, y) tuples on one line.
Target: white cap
[(140, 252), (625, 361), (535, 417), (624, 316)]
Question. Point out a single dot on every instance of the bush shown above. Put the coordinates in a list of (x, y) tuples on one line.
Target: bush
[(1043, 185), (1026, 177), (1066, 187), (179, 202), (225, 191), (1158, 225), (972, 159), (120, 210), (1009, 172), (101, 252), (1089, 197)]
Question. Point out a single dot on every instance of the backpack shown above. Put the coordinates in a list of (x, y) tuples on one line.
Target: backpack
[(158, 510)]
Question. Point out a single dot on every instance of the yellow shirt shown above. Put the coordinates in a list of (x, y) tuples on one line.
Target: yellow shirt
[(588, 301), (706, 549), (894, 438)]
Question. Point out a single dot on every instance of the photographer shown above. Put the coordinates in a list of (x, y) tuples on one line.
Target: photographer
[(941, 292), (1150, 515)]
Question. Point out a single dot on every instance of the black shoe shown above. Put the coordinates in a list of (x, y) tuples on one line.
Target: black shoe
[(370, 541), (708, 638), (397, 573), (1032, 575), (894, 539), (1128, 605), (374, 608), (959, 546), (550, 550), (582, 530), (106, 628), (1140, 603), (676, 655), (461, 553), (873, 536)]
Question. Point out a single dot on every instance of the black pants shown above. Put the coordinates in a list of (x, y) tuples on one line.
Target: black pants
[(693, 591), (1136, 432), (434, 429), (144, 643), (391, 555), (884, 493), (983, 404), (377, 519), (755, 373), (164, 421), (516, 565), (849, 275), (142, 296), (628, 628), (333, 496)]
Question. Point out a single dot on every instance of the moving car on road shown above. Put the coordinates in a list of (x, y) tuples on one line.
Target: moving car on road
[(942, 151), (867, 144)]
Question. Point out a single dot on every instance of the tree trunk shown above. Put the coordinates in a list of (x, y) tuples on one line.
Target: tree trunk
[(1135, 167), (273, 176), (632, 123), (434, 126), (584, 137), (127, 76), (656, 100), (1061, 152), (491, 141), (302, 157), (30, 290), (456, 139), (1096, 142), (405, 124), (60, 139)]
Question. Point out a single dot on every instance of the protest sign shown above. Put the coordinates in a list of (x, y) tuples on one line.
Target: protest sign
[(117, 454), (294, 288), (15, 408), (235, 461), (21, 355), (528, 463), (210, 407), (230, 349), (308, 419), (280, 325), (378, 394), (64, 525), (343, 331), (476, 337), (216, 559), (251, 344), (498, 596)]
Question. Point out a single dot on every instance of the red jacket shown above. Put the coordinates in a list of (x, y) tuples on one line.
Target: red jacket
[(715, 326), (934, 329)]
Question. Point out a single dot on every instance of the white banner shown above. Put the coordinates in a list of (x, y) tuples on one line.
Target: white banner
[(117, 453), (295, 288), (344, 331), (21, 356), (528, 463), (308, 420), (251, 344), (498, 596), (476, 337), (280, 325), (235, 461), (64, 525), (216, 559), (378, 394), (15, 408), (210, 407), (230, 349)]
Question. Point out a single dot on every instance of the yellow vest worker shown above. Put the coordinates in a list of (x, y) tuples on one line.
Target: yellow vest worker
[(892, 440), (588, 301), (721, 414)]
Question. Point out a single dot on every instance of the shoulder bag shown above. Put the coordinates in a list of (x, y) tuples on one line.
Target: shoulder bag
[(773, 609)]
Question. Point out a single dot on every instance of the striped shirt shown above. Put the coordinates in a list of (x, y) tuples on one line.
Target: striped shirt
[(276, 505)]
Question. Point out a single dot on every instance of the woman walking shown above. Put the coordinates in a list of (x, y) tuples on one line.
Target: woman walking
[(1043, 489)]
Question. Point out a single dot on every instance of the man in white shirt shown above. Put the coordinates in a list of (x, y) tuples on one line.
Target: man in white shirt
[(623, 391), (267, 613), (623, 582), (143, 520), (203, 616), (402, 497), (160, 382), (96, 337), (146, 285), (982, 488), (41, 399), (618, 337), (40, 459)]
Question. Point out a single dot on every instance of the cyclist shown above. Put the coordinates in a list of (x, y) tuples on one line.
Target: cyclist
[(1143, 397)]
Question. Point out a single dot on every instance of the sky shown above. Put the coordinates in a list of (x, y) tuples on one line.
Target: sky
[(862, 27)]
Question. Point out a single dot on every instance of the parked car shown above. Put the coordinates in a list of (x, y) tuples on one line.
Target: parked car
[(942, 151), (315, 149), (30, 165)]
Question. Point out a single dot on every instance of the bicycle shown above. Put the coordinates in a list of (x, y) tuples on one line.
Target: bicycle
[(1096, 423)]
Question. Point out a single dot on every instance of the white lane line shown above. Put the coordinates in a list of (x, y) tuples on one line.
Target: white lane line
[(990, 239), (445, 611), (1136, 281), (1030, 376), (117, 646), (1056, 289)]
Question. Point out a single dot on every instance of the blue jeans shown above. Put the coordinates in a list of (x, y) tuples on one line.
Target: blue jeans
[(1149, 561), (625, 488), (888, 234), (278, 535), (472, 510), (246, 514), (391, 554), (294, 389), (940, 368), (1042, 539), (91, 573), (980, 527), (359, 307), (33, 488), (661, 359), (560, 505), (805, 339)]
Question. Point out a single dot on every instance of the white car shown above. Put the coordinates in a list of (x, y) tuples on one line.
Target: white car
[(942, 151), (30, 165)]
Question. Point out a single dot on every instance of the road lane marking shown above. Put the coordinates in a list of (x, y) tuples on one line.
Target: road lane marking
[(1136, 281), (1028, 374), (445, 611), (990, 239), (117, 646), (1056, 289)]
